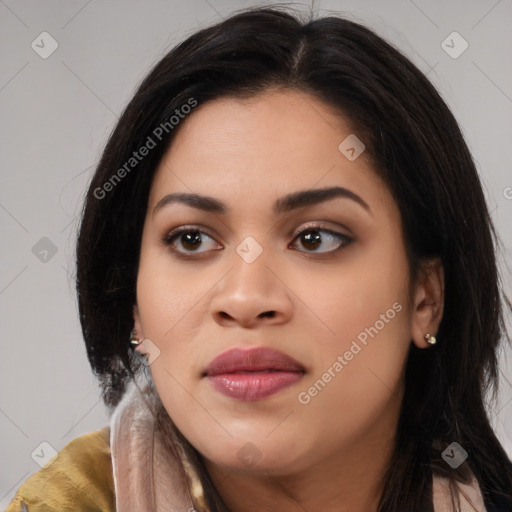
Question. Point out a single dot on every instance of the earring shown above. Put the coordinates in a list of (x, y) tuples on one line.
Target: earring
[(429, 338), (134, 341)]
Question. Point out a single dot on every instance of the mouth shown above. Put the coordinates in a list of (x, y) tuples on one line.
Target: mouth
[(252, 374)]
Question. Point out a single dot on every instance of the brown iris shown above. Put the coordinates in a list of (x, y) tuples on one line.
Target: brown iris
[(191, 240), (311, 240)]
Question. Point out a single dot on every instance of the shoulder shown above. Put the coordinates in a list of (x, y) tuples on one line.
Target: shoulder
[(470, 496), (496, 502), (79, 477)]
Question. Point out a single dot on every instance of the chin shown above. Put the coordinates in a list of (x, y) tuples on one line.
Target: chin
[(269, 458)]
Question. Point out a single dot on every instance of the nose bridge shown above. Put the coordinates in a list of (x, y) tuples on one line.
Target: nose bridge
[(251, 288), (250, 275)]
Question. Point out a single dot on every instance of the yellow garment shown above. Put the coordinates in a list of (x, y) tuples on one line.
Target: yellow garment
[(80, 478)]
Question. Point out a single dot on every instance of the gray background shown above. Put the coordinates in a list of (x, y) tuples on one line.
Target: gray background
[(57, 113)]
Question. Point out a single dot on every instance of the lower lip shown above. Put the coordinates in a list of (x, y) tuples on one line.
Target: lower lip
[(252, 386)]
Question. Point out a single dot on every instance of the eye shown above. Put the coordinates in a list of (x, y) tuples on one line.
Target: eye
[(320, 240), (190, 240)]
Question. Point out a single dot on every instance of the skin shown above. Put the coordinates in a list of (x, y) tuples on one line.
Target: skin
[(330, 453)]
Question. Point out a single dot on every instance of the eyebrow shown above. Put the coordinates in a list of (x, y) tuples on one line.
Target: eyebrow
[(294, 201)]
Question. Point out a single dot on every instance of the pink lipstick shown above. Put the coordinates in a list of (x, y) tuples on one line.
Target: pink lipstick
[(252, 374)]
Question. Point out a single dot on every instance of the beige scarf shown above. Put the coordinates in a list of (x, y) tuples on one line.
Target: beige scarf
[(148, 478)]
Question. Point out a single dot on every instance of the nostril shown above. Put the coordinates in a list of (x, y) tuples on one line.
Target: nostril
[(270, 314)]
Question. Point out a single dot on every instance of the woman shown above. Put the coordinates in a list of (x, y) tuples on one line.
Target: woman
[(287, 285)]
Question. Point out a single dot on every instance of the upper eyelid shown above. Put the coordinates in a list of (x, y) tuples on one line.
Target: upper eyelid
[(187, 228), (319, 226), (202, 229)]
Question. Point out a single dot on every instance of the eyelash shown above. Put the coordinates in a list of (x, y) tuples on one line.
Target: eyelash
[(170, 238)]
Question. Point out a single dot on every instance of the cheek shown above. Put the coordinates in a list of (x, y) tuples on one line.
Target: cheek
[(366, 355), (365, 306), (346, 300), (358, 382), (166, 295), (170, 300)]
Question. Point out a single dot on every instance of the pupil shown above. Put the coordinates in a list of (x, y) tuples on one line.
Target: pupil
[(312, 239), (191, 240)]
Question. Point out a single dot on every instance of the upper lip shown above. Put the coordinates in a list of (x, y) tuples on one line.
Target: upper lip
[(252, 359)]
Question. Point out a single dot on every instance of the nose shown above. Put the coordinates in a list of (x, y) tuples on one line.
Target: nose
[(251, 294)]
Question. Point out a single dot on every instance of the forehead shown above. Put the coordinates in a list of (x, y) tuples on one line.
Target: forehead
[(257, 149)]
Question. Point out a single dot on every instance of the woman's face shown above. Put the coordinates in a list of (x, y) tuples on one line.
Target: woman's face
[(294, 245)]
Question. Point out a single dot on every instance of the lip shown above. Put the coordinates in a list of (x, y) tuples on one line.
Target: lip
[(252, 374)]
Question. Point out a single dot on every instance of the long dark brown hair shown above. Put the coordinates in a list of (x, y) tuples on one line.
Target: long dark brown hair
[(416, 147)]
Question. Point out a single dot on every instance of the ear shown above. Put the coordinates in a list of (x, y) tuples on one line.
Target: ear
[(428, 302), (137, 325)]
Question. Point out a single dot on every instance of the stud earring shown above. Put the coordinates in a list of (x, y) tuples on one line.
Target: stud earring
[(134, 341), (429, 338)]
